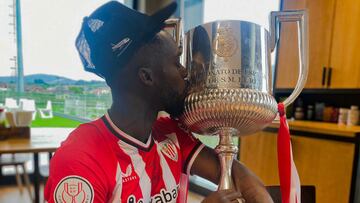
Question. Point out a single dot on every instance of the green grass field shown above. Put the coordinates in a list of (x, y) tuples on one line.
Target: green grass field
[(56, 121)]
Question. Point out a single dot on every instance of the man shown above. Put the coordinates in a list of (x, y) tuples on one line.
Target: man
[(129, 155)]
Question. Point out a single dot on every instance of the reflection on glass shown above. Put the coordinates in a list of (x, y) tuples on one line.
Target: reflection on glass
[(201, 49)]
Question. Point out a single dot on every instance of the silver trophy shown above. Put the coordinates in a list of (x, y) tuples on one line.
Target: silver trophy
[(231, 79)]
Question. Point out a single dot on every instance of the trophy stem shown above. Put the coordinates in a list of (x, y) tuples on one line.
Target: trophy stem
[(226, 151)]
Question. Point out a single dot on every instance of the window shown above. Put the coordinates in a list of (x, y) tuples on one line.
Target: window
[(37, 46), (38, 37)]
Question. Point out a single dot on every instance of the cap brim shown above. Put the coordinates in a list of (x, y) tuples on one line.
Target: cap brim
[(157, 21), (164, 13)]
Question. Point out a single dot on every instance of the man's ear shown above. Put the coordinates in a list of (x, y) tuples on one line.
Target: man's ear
[(146, 76)]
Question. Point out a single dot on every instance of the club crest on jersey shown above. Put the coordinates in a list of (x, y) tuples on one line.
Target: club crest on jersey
[(74, 189), (168, 148)]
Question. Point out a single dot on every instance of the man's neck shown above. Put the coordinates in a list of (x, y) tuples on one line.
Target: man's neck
[(134, 117)]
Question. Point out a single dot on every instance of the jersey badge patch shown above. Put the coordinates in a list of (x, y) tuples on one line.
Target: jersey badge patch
[(74, 189)]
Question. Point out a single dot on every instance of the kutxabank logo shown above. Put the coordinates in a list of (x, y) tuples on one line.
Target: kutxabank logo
[(164, 196)]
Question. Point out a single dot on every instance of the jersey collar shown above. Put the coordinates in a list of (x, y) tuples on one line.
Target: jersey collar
[(125, 137)]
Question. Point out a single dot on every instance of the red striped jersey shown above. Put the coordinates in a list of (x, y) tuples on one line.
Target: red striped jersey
[(100, 163)]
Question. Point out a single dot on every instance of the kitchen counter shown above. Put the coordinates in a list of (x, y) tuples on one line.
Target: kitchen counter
[(321, 128)]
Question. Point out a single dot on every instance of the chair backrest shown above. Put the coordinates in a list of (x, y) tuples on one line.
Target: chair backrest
[(27, 104), (22, 102), (48, 105), (11, 103), (307, 193)]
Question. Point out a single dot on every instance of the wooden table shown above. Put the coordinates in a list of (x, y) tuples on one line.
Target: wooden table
[(41, 140)]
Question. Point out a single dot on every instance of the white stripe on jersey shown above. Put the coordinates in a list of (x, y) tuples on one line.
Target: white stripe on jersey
[(183, 190), (139, 166), (168, 176), (116, 196), (193, 156)]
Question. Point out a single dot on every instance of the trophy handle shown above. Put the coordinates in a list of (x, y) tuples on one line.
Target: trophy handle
[(301, 18), (173, 26)]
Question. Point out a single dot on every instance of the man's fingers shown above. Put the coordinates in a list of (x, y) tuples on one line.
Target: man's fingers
[(238, 200), (225, 196), (232, 196)]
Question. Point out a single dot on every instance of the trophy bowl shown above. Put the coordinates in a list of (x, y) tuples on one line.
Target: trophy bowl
[(230, 78)]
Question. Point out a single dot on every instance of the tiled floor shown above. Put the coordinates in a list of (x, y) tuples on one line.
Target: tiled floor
[(11, 194)]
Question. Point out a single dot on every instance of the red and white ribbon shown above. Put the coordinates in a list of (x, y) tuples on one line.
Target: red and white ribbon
[(289, 177)]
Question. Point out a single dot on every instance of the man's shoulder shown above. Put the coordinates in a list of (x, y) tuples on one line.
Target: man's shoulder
[(87, 136), (165, 124), (88, 131), (92, 127), (86, 144)]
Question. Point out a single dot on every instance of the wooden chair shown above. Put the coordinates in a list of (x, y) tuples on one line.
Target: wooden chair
[(18, 161)]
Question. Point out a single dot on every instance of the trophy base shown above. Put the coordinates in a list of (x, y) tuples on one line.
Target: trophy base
[(226, 151)]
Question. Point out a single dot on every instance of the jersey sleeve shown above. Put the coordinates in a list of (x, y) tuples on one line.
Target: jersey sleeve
[(78, 178), (190, 147), (78, 170)]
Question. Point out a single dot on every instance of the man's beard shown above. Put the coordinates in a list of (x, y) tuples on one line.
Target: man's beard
[(176, 107), (175, 101)]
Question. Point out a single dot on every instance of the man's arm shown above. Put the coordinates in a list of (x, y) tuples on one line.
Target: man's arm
[(207, 165)]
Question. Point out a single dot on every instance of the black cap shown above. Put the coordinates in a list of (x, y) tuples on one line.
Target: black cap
[(112, 33)]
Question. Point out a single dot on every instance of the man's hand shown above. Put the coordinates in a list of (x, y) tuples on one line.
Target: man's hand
[(249, 184), (224, 196), (207, 165)]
